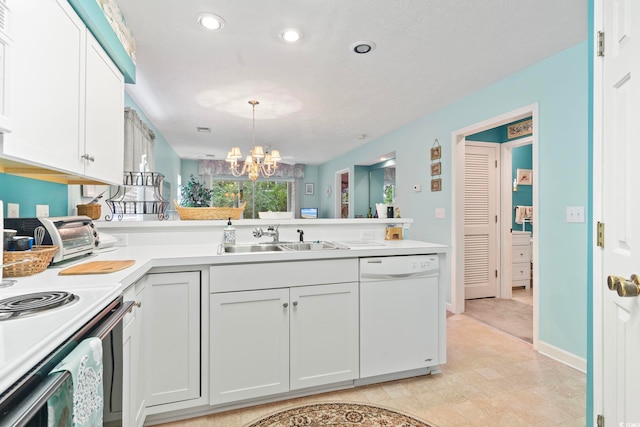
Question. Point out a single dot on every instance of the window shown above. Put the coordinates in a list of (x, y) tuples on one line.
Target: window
[(260, 196), (389, 193)]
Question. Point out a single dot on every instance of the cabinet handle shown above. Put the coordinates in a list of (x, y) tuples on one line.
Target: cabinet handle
[(295, 303), (285, 305), (138, 304), (88, 157)]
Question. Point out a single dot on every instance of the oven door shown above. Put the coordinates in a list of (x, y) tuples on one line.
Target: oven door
[(27, 403)]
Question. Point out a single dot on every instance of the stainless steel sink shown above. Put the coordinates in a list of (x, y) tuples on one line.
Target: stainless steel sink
[(257, 247), (278, 247), (310, 246)]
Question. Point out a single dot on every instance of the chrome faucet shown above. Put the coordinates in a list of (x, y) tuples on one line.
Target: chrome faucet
[(271, 231)]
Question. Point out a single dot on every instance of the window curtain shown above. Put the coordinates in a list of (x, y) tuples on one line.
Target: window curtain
[(139, 141), (220, 169)]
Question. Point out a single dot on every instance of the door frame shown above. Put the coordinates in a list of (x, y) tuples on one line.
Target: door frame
[(337, 203), (597, 215), (457, 205)]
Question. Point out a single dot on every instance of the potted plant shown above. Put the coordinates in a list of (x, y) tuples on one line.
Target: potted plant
[(194, 194)]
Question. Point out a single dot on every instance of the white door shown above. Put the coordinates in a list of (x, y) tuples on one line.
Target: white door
[(324, 334), (618, 380), (481, 205), (249, 344)]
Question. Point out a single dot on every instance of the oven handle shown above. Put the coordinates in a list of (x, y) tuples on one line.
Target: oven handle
[(22, 414)]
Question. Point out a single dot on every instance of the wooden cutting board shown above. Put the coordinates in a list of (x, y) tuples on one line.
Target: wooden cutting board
[(97, 267)]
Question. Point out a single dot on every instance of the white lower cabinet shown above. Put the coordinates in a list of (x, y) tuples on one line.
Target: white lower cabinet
[(265, 342), (173, 338), (134, 358)]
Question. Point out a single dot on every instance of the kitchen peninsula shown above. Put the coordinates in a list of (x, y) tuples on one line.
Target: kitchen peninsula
[(190, 347)]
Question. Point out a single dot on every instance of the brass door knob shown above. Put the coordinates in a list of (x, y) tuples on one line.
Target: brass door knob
[(624, 287)]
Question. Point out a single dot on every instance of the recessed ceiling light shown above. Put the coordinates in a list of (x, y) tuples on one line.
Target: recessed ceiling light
[(291, 35), (210, 21), (363, 47), (203, 129)]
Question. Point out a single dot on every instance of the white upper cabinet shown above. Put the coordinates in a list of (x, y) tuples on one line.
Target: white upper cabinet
[(104, 116), (66, 99)]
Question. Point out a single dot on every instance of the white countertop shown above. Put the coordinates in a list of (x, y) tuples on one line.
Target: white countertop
[(147, 257)]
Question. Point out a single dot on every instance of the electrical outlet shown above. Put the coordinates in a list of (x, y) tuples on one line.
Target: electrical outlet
[(42, 211), (440, 213), (13, 210), (368, 235)]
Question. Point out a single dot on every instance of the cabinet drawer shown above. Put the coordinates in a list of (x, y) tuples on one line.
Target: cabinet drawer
[(518, 283), (520, 254), (520, 239), (521, 271)]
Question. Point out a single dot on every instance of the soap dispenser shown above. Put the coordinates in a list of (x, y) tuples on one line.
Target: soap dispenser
[(229, 234)]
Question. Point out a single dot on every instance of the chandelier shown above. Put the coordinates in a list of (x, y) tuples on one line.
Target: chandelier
[(258, 162)]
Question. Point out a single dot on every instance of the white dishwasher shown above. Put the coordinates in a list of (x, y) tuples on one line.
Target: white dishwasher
[(398, 314)]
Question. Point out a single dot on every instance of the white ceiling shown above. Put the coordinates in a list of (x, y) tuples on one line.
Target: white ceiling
[(319, 99)]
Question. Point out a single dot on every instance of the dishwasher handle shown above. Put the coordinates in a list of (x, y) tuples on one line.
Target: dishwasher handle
[(380, 276)]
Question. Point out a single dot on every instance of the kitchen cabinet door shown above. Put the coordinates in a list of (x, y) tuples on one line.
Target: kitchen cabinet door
[(134, 395), (324, 334), (173, 337), (103, 149), (46, 75), (66, 98), (249, 344)]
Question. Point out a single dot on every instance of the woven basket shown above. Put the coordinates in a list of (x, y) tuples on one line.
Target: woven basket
[(39, 259), (93, 210), (209, 213)]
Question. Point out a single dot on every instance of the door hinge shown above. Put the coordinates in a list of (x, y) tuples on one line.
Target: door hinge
[(496, 219), (600, 47), (496, 273), (600, 236), (600, 421)]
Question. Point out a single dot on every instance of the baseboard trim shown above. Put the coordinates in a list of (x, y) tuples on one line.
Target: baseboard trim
[(562, 356)]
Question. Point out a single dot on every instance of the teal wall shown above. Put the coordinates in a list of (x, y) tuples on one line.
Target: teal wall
[(29, 192), (521, 158), (559, 85)]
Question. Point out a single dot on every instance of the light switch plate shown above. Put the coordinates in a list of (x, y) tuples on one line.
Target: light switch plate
[(42, 210), (575, 214), (13, 210), (440, 213)]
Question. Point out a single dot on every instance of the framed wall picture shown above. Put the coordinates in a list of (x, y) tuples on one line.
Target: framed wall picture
[(524, 177), (436, 168), (517, 130), (308, 189), (436, 184), (436, 152)]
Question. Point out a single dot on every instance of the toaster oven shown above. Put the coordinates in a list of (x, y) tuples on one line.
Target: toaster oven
[(76, 236)]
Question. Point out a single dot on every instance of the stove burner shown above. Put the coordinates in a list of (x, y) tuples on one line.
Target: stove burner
[(27, 304)]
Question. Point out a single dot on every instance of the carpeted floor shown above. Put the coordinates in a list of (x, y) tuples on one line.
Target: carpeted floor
[(339, 415), (507, 315)]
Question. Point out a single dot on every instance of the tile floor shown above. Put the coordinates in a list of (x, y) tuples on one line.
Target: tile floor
[(522, 295), (490, 379)]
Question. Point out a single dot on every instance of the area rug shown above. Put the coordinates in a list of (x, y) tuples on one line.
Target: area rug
[(510, 316), (338, 415)]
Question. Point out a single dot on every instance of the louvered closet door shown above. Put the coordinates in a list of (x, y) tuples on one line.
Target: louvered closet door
[(480, 221)]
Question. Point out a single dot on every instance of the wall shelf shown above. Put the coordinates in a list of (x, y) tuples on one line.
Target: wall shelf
[(140, 194)]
